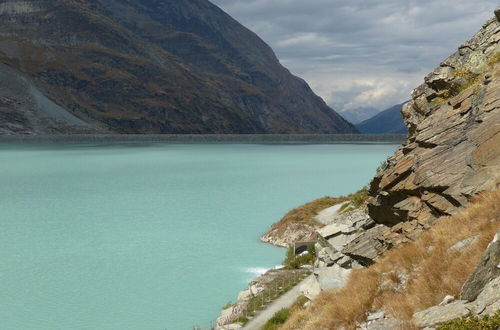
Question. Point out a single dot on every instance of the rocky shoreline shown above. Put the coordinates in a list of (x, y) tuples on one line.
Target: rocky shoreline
[(259, 293)]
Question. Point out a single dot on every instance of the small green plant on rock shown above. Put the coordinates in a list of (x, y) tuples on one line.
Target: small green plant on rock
[(227, 305), (382, 166), (472, 322), (360, 197), (437, 101)]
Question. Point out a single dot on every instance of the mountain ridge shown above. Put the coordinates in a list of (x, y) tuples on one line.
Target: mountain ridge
[(388, 121), (149, 67)]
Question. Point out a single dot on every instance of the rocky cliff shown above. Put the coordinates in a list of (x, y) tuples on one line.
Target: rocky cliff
[(452, 151), (145, 66)]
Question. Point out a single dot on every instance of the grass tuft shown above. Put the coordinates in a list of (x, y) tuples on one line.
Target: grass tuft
[(278, 319)]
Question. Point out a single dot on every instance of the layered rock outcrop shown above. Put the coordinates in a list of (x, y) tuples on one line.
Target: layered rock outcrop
[(144, 66), (451, 154), (454, 132)]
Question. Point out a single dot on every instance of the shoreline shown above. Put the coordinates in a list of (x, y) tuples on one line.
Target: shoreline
[(210, 138)]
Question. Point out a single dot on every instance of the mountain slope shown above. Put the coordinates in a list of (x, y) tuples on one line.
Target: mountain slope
[(358, 115), (148, 66), (389, 121)]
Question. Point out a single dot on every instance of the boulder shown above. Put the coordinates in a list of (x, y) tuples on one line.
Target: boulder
[(446, 300), (368, 246), (381, 324), (486, 270), (488, 301), (310, 288), (228, 316), (439, 314), (245, 295), (375, 316), (339, 241), (335, 229), (334, 277), (329, 255)]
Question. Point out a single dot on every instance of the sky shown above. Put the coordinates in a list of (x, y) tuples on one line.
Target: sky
[(362, 53)]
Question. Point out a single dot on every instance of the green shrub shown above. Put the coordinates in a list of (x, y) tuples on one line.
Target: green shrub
[(277, 320), (300, 302), (294, 262), (360, 197), (472, 322)]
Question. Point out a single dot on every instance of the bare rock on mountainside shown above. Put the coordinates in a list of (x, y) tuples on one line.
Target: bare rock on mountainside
[(487, 269), (452, 150), (146, 66)]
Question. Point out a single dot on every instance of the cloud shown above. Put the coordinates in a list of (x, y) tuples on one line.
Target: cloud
[(358, 53)]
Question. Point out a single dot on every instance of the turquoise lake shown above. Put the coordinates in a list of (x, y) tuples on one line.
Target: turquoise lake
[(151, 236)]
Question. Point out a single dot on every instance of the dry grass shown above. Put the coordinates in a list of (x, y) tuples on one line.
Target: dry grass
[(304, 214), (412, 277)]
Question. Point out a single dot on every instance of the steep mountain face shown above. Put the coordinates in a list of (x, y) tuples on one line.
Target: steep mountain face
[(145, 66), (453, 149), (389, 121)]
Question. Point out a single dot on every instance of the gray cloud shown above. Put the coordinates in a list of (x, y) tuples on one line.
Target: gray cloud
[(357, 53)]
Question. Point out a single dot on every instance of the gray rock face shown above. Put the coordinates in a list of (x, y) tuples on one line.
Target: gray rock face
[(368, 246), (143, 66), (487, 303), (334, 277), (350, 241), (463, 244), (487, 269), (24, 109), (381, 324), (452, 150), (439, 314)]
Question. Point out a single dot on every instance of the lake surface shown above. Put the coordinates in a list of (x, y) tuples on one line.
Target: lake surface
[(151, 236)]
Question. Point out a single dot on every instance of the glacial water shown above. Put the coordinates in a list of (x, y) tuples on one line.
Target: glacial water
[(150, 236)]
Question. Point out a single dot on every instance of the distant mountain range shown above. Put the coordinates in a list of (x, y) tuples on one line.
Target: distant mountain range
[(145, 66), (389, 121), (357, 115)]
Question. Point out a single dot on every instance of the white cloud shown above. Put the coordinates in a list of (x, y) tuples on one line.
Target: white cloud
[(305, 40), (357, 53)]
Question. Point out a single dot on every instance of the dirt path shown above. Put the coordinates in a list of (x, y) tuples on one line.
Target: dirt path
[(284, 301), (328, 215)]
